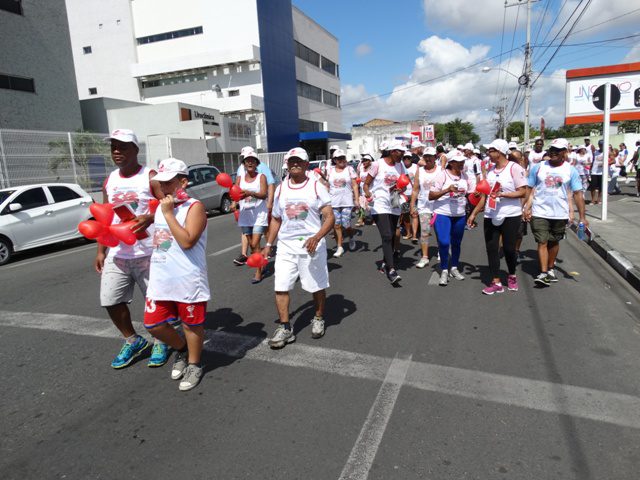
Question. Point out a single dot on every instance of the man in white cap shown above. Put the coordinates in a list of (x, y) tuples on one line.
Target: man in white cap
[(472, 163), (130, 187), (548, 210), (302, 217), (249, 152), (417, 149), (537, 154)]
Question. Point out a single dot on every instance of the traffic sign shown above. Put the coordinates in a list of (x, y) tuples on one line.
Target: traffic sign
[(598, 97)]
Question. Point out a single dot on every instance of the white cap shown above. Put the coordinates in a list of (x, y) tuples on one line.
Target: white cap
[(429, 151), (334, 147), (476, 150), (499, 144), (460, 147), (124, 135), (408, 154), (248, 151), (455, 156), (169, 168), (297, 152), (396, 145), (560, 144), (468, 146), (338, 153), (513, 145), (417, 144), (581, 147), (366, 156)]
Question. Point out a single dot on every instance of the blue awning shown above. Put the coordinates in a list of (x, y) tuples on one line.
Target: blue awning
[(326, 135)]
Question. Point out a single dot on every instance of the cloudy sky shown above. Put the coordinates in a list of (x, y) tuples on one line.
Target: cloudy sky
[(400, 58)]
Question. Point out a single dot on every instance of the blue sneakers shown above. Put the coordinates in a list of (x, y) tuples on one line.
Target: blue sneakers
[(128, 352), (159, 355)]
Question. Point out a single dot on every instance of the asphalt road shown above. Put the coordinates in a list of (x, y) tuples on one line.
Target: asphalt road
[(415, 382)]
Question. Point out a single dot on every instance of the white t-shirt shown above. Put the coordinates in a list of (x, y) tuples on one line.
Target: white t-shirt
[(552, 186), (535, 157), (452, 204), (598, 162), (176, 274), (363, 174), (134, 191), (426, 180), (511, 177), (253, 211), (299, 206), (472, 166), (580, 162), (341, 187), (384, 176), (411, 173)]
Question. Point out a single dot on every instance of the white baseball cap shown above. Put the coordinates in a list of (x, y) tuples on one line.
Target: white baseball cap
[(338, 153), (513, 146), (124, 135), (429, 151), (297, 152), (476, 150), (169, 168), (455, 156), (334, 147), (468, 146), (460, 147), (499, 144), (367, 156), (396, 145), (408, 154), (248, 151), (559, 143), (417, 144), (383, 145)]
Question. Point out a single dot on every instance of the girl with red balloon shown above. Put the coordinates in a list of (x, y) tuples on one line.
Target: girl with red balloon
[(253, 217), (449, 198), (178, 280)]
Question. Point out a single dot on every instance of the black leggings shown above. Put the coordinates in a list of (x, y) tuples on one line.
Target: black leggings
[(387, 224), (509, 231)]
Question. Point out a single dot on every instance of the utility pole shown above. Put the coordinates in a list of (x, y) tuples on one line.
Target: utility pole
[(424, 124)]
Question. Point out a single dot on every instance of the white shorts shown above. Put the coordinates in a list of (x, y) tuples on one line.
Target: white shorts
[(119, 277), (312, 270)]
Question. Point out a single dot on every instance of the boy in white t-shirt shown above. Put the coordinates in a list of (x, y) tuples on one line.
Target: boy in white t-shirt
[(302, 217)]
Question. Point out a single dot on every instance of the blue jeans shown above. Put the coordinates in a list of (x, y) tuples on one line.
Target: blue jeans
[(449, 231)]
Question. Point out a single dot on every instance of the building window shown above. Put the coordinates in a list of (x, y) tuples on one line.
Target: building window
[(306, 54), (225, 71), (239, 131), (239, 69), (159, 37), (309, 126), (93, 91), (22, 84), (329, 67), (99, 25), (254, 66), (174, 80), (234, 93), (13, 6), (309, 91), (329, 98), (86, 50), (117, 22)]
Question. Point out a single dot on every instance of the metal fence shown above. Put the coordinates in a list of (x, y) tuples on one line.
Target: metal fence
[(28, 157), (229, 162)]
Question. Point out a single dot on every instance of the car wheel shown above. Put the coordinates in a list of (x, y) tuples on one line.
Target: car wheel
[(5, 250), (225, 204)]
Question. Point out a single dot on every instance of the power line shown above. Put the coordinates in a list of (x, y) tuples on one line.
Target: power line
[(504, 21), (559, 32)]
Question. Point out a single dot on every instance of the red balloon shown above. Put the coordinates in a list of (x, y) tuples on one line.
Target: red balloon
[(483, 187), (224, 180), (256, 260), (358, 180), (318, 171), (402, 181), (235, 192), (91, 229), (102, 212), (107, 240), (473, 200), (236, 215), (153, 205), (123, 232)]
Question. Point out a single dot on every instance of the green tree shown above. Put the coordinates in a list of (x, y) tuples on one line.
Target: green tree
[(456, 132), (516, 130), (86, 145), (632, 126)]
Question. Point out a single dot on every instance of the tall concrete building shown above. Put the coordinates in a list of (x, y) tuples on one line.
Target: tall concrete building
[(37, 82), (259, 60)]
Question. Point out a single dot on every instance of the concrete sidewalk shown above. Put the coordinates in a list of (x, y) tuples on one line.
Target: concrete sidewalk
[(618, 239)]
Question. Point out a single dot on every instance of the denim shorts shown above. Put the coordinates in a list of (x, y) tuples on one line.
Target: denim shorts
[(343, 216), (255, 230)]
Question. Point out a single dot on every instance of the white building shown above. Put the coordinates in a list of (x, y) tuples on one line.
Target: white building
[(259, 60), (367, 137), (37, 85)]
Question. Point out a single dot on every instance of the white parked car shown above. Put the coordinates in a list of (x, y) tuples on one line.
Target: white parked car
[(36, 215)]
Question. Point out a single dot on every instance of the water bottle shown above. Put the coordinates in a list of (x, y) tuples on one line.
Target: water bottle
[(581, 233)]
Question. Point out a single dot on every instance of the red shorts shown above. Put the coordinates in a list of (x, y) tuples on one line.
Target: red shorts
[(157, 312)]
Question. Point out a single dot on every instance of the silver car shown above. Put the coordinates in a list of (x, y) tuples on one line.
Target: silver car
[(36, 215), (202, 186)]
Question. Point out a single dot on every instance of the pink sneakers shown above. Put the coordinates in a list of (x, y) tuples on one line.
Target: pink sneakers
[(493, 288), (512, 283)]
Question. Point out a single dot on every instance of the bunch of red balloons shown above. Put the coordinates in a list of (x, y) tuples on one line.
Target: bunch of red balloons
[(235, 192), (102, 230), (256, 260), (402, 182)]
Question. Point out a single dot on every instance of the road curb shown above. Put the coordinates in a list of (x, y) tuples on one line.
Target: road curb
[(620, 263)]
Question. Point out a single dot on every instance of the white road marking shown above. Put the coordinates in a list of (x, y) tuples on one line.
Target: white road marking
[(225, 250), (366, 446), (47, 257), (608, 407), (434, 279)]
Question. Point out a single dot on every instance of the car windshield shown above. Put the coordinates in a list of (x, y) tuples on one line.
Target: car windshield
[(4, 194)]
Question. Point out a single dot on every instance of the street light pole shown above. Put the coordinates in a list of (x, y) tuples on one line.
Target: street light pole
[(527, 74)]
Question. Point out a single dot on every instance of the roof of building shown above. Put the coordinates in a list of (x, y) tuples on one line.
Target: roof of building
[(378, 122)]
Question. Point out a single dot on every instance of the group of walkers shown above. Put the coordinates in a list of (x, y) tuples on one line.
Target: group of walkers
[(415, 193)]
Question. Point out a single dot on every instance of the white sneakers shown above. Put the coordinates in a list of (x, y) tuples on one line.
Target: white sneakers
[(423, 262), (339, 252), (317, 327), (455, 273), (444, 278)]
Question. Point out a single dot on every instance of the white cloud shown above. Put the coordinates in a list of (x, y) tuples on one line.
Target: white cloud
[(470, 17), (363, 49), (469, 94), (633, 55)]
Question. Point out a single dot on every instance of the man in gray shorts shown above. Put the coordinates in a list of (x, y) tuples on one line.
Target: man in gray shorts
[(130, 187)]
